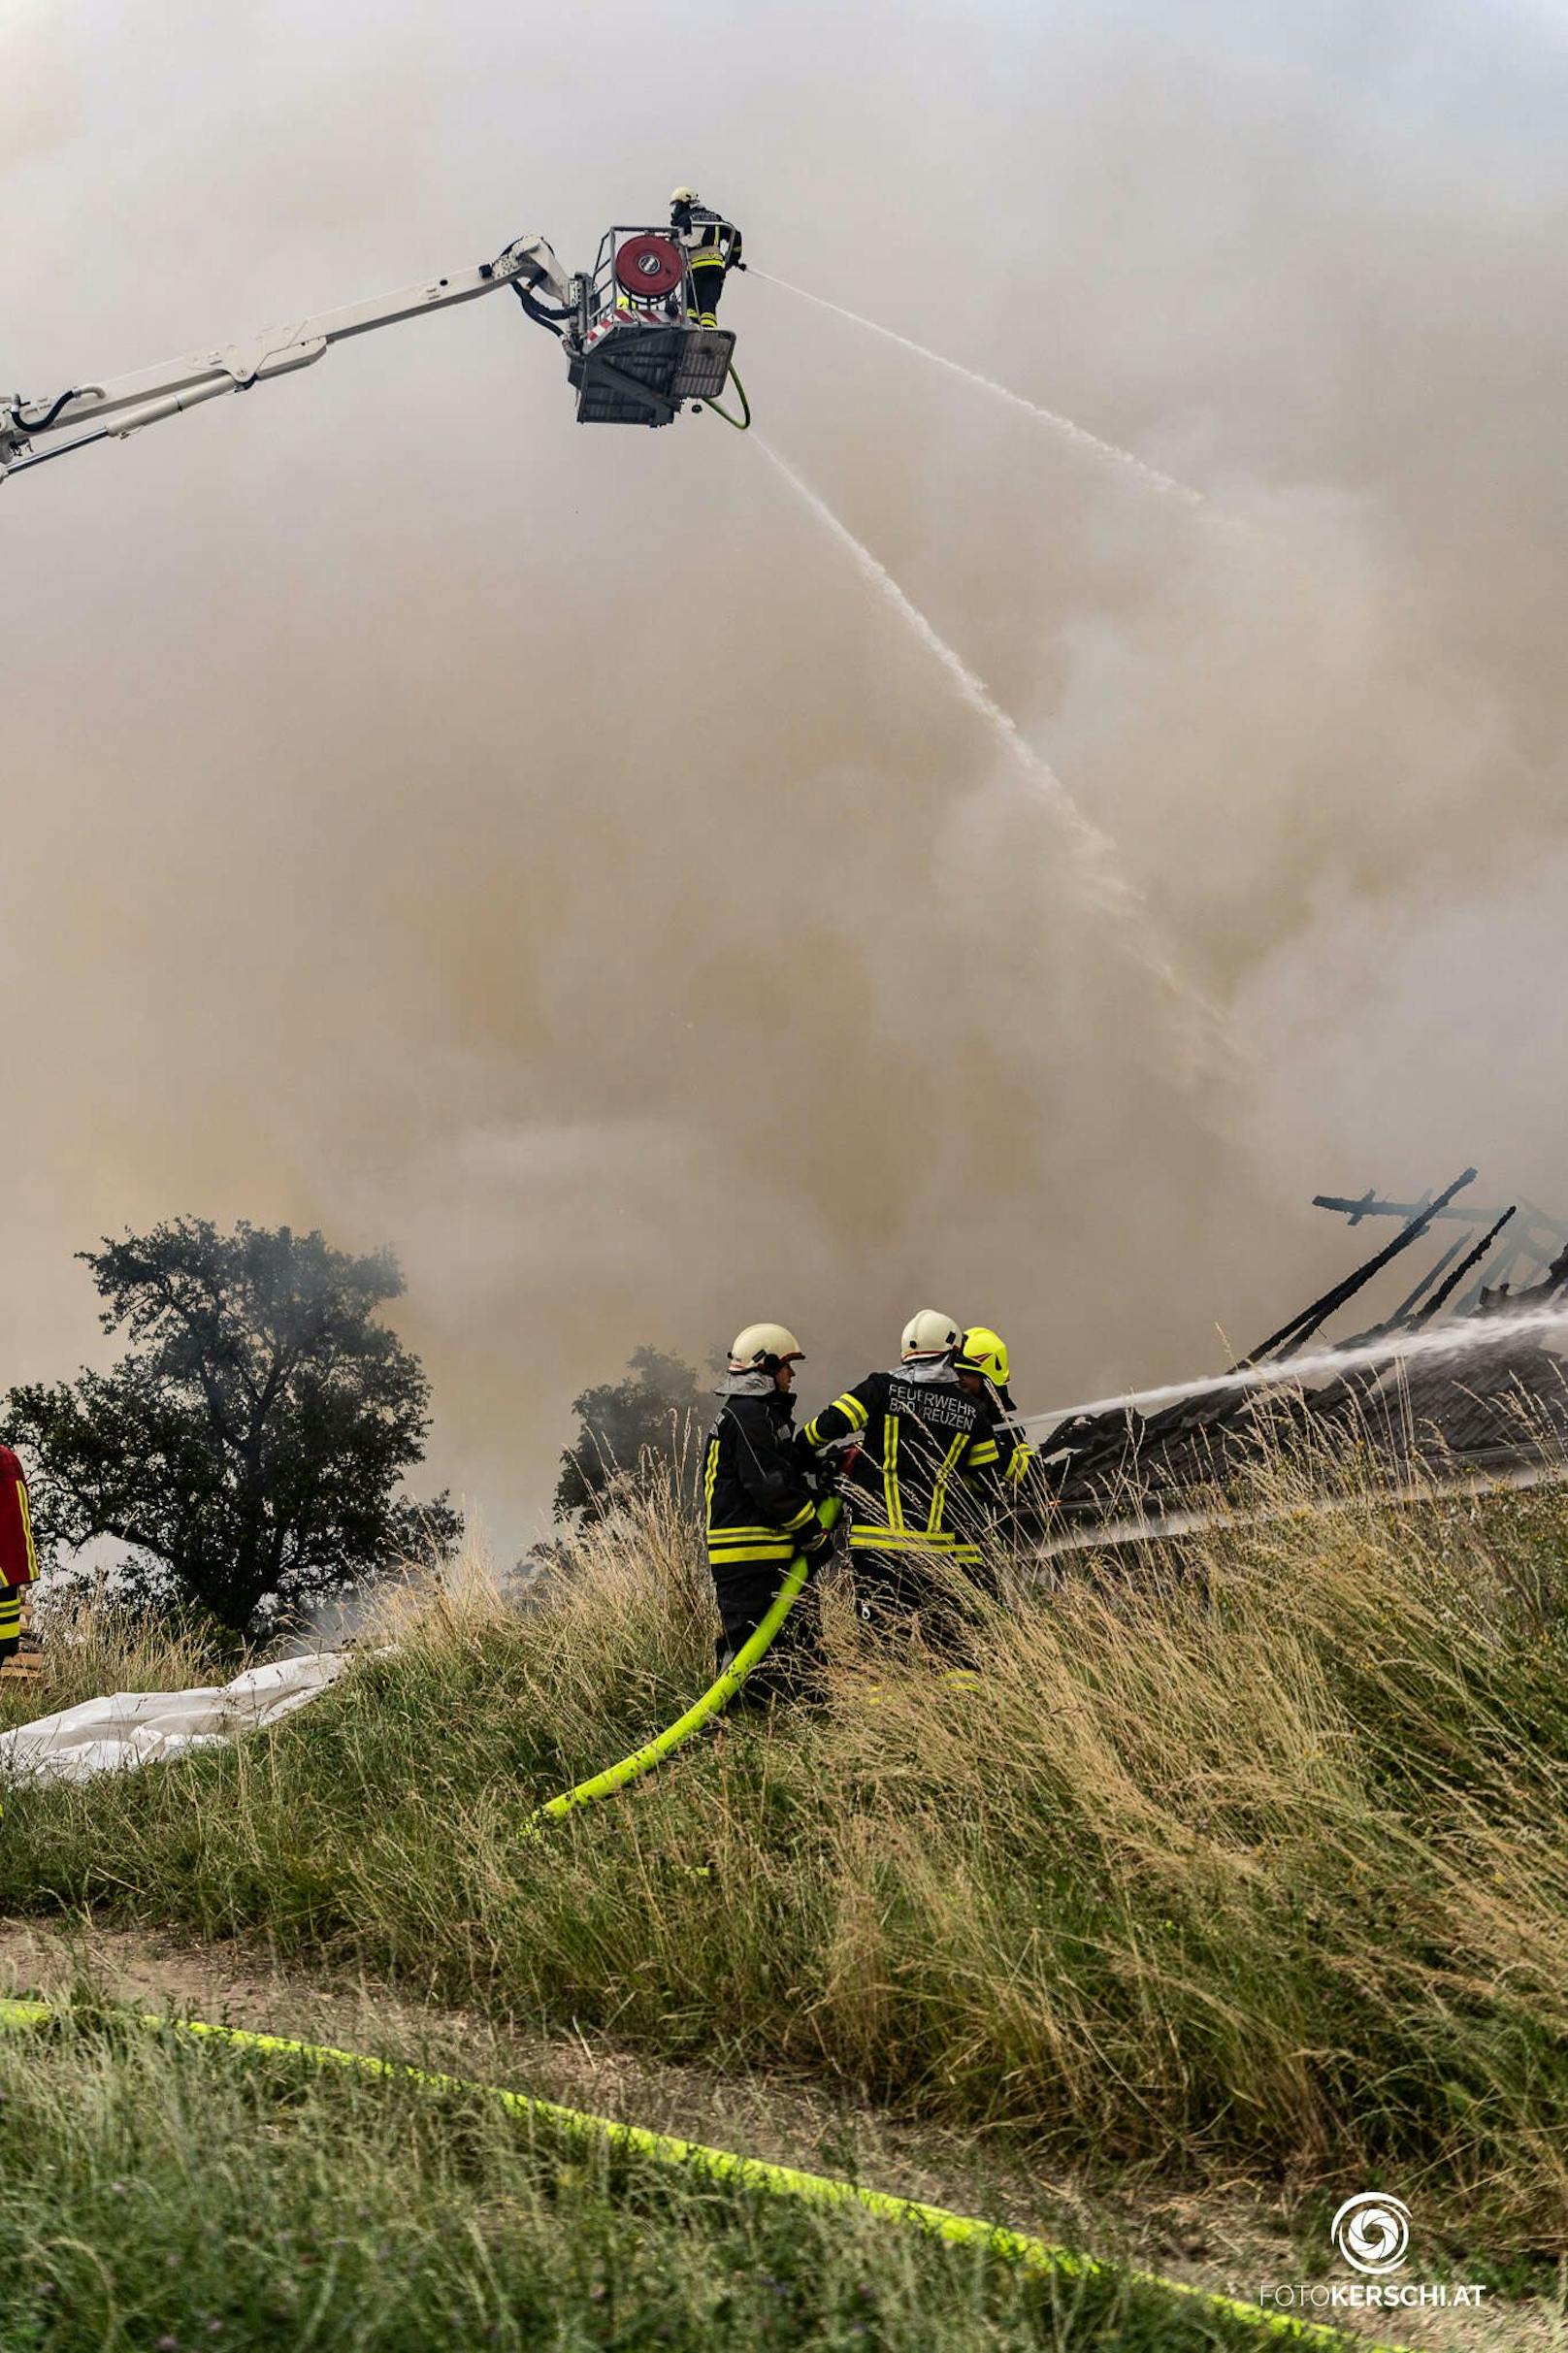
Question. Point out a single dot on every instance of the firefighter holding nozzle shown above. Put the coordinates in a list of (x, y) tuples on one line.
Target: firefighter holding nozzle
[(711, 245), (761, 1510), (932, 1454)]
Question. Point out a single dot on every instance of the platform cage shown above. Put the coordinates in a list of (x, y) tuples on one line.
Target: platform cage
[(639, 349)]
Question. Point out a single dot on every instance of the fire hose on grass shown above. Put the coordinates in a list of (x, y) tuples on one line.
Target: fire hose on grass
[(715, 2165), (716, 1697)]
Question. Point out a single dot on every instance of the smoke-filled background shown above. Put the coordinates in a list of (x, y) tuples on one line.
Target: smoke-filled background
[(543, 851)]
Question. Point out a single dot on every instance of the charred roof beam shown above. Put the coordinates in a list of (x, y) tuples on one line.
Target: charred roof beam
[(1311, 1319)]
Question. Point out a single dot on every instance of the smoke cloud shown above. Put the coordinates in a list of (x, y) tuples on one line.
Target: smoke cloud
[(543, 851)]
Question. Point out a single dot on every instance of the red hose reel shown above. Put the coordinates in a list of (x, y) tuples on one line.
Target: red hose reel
[(648, 267)]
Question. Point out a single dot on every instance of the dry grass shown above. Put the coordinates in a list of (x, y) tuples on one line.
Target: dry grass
[(93, 1642), (157, 2193), (1242, 1855)]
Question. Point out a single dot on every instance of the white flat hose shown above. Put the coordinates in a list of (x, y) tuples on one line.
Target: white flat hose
[(1106, 1534), (1323, 1364)]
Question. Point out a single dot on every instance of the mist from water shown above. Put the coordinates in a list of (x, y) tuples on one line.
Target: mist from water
[(1104, 885), (1448, 1340), (1078, 436), (535, 849)]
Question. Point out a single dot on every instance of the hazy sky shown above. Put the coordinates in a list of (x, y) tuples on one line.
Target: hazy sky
[(539, 849)]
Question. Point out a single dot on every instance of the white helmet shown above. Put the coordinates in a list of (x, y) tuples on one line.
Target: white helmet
[(684, 196), (761, 1348), (930, 1333)]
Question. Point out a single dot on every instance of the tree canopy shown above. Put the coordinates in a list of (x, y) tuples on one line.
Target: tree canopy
[(620, 1425), (254, 1435)]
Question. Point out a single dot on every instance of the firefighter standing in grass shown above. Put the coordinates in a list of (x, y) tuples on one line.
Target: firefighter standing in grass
[(759, 1509), (928, 1454), (19, 1561), (711, 245)]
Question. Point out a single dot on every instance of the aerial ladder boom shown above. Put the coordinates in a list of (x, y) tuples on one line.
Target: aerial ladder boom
[(31, 432), (588, 313)]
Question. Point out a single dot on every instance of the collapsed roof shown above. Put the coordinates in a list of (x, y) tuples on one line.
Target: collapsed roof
[(1496, 1403)]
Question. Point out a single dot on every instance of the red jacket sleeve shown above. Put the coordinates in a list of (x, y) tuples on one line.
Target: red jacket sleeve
[(19, 1561)]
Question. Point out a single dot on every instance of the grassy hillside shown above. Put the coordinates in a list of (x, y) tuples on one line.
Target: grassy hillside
[(157, 2195), (1246, 1860)]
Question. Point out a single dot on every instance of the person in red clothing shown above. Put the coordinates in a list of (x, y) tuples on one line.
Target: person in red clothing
[(19, 1561)]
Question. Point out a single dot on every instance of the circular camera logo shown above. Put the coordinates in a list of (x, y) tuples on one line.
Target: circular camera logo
[(1372, 2232)]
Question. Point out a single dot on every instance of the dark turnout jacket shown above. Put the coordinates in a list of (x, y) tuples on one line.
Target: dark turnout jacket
[(707, 236), (758, 1506), (928, 1458)]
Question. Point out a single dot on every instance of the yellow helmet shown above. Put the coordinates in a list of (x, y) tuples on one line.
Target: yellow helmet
[(684, 196), (761, 1348), (930, 1333), (984, 1352)]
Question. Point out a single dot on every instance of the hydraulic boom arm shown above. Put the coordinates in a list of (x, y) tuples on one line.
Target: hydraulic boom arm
[(28, 429)]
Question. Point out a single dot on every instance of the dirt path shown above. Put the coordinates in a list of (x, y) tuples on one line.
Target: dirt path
[(1230, 2245)]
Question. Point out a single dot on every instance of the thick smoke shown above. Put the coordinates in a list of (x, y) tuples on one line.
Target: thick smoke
[(539, 849)]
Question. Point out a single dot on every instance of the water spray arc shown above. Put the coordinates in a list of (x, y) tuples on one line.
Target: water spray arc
[(1078, 435), (1099, 867), (1320, 1364)]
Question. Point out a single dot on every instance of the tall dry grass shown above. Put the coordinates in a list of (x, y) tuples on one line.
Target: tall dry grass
[(154, 2193), (94, 1641), (1243, 1854)]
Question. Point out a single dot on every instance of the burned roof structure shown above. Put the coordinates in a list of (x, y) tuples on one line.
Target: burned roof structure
[(1495, 1402)]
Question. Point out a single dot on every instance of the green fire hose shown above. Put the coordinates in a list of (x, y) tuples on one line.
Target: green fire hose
[(742, 422), (716, 1696)]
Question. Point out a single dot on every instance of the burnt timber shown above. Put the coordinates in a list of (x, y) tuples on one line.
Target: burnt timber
[(1497, 1404)]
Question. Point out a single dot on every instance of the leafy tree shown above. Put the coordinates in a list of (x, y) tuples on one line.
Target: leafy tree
[(619, 1426), (253, 1435)]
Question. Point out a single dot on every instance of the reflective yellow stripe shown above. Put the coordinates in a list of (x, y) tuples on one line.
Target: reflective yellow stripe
[(890, 1471), (774, 1539), (26, 1528), (708, 1481), (982, 1452), (723, 1555), (933, 1517), (853, 1411), (10, 1611), (866, 1537), (706, 257)]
